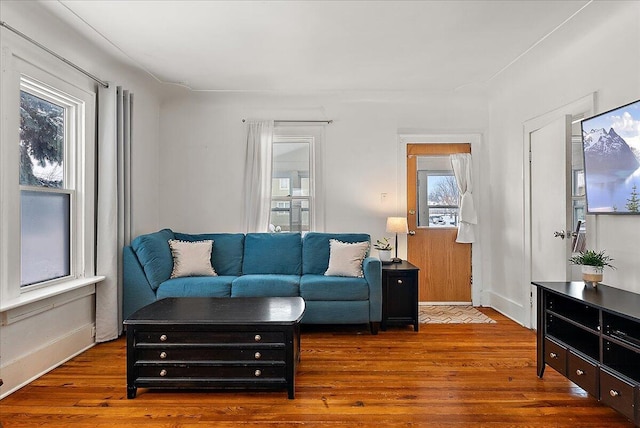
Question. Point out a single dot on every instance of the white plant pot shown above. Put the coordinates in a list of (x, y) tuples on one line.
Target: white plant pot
[(592, 275), (385, 255)]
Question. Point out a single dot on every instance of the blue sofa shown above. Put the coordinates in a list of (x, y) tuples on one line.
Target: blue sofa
[(258, 264)]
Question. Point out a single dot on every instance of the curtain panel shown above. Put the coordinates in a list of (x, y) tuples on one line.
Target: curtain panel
[(462, 169), (114, 205), (257, 178)]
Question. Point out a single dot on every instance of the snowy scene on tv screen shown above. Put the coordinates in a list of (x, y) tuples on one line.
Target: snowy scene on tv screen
[(612, 160)]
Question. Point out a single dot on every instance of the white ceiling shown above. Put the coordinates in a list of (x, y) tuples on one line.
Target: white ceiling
[(319, 45)]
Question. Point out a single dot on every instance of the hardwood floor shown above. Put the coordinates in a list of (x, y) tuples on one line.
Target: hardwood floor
[(447, 375)]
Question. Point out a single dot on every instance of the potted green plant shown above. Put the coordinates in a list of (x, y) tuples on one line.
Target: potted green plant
[(384, 249), (593, 264)]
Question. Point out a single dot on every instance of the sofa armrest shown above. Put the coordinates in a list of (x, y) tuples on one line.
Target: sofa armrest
[(372, 268), (136, 290)]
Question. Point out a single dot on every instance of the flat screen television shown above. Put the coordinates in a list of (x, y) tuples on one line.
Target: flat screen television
[(611, 148)]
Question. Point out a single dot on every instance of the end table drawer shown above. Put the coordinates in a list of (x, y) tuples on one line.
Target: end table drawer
[(617, 393), (555, 356)]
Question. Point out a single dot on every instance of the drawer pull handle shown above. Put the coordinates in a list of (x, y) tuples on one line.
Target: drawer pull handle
[(257, 338), (579, 372), (399, 281), (258, 373), (553, 355), (614, 393), (163, 372), (257, 355), (163, 338), (163, 355)]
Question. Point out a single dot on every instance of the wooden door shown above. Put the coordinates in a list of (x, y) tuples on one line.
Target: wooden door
[(445, 265)]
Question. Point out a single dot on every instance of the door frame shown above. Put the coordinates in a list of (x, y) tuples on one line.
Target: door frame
[(478, 295), (584, 105)]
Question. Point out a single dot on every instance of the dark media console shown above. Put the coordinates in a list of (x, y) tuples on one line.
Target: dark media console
[(592, 336)]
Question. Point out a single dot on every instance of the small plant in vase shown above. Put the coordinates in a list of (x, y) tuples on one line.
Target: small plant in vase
[(593, 264), (384, 249)]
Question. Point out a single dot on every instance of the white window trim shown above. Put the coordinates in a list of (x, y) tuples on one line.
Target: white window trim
[(19, 72)]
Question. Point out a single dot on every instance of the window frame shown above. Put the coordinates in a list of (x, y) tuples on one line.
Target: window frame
[(73, 112), (78, 96)]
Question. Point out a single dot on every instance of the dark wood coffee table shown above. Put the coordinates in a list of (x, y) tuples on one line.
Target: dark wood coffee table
[(214, 343)]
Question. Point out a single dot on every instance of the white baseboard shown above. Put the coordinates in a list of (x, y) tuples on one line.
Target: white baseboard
[(506, 306), (445, 303), (26, 369)]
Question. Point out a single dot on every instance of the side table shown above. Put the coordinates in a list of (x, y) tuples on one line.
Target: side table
[(400, 294)]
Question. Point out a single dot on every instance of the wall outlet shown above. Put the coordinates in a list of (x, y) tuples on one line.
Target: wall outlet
[(93, 331)]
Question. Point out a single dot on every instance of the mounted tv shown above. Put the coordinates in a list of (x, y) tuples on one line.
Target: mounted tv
[(611, 147)]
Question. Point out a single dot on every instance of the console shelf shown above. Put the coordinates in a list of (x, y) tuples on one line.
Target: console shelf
[(592, 336)]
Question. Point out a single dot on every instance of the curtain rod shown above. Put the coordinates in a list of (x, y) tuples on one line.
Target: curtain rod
[(66, 61), (299, 121)]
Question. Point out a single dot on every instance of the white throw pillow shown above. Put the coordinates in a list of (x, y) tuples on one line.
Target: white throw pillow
[(191, 258), (345, 259)]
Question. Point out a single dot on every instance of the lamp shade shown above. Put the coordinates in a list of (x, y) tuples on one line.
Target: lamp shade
[(397, 225)]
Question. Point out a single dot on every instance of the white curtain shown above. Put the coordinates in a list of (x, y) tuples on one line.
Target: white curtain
[(462, 169), (114, 205), (257, 176)]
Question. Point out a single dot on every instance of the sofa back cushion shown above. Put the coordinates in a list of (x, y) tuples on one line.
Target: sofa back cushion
[(154, 255), (315, 249), (272, 253), (228, 250)]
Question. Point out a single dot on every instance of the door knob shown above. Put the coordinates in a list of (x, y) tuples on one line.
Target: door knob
[(559, 234), (412, 232), (412, 212)]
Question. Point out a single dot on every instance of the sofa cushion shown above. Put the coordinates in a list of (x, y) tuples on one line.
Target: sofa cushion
[(196, 286), (320, 287), (154, 256), (315, 249), (228, 248), (272, 253), (191, 258), (266, 286)]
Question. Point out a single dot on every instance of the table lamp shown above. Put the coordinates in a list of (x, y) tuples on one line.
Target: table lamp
[(397, 225)]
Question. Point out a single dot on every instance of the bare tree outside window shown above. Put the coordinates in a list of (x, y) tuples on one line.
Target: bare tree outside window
[(445, 191)]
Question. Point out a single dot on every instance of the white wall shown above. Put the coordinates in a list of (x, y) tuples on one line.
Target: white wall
[(37, 337), (598, 51), (202, 152)]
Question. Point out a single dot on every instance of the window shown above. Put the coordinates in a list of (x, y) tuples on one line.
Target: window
[(438, 196), (45, 194), (291, 194), (48, 182)]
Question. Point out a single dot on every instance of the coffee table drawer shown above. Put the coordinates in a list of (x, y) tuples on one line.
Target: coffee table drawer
[(178, 370), (209, 337), (192, 353)]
